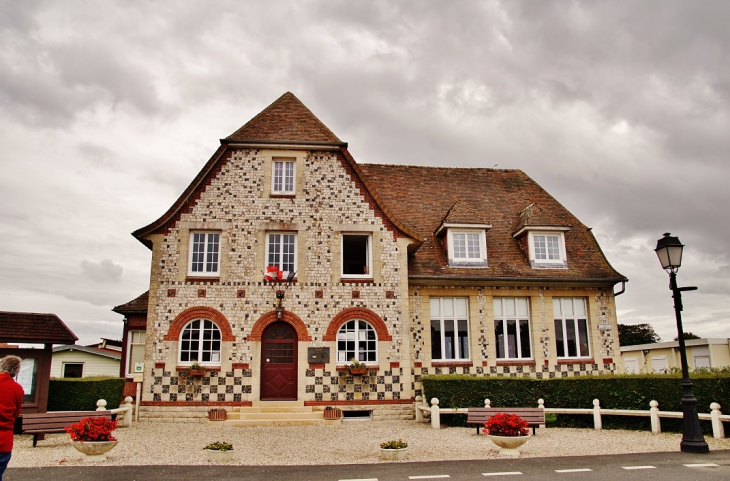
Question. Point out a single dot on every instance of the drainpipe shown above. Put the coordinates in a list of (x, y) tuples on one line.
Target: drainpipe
[(623, 289)]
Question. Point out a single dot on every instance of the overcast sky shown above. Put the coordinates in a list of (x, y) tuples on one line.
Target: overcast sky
[(621, 110)]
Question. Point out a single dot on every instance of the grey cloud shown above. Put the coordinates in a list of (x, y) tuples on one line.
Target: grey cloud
[(104, 271)]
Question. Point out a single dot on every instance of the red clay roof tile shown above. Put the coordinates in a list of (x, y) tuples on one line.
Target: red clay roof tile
[(33, 328)]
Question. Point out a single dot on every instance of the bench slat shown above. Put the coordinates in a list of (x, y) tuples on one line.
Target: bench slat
[(54, 422)]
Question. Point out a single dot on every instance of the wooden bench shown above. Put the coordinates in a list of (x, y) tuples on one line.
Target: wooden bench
[(53, 422), (534, 416)]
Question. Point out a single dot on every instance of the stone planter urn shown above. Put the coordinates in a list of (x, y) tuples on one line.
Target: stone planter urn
[(393, 454), (508, 444), (215, 456), (94, 450)]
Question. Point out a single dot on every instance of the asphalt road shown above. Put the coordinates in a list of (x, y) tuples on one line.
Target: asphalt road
[(653, 466)]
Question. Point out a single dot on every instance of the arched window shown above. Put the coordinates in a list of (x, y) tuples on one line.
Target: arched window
[(357, 339), (200, 341)]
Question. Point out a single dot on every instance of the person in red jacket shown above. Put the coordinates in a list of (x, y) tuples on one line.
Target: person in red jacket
[(11, 400)]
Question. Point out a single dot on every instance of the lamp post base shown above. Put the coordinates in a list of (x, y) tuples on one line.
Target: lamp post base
[(699, 447)]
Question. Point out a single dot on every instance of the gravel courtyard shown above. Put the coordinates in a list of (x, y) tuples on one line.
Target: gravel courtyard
[(353, 442)]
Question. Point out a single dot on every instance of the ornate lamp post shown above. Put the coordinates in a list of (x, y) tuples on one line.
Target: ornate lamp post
[(669, 251)]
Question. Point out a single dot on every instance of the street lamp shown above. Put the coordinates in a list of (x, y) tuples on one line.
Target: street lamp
[(669, 251)]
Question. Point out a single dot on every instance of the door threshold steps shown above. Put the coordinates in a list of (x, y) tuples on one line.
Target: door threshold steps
[(275, 413)]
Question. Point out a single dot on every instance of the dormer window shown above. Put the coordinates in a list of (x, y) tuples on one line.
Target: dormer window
[(545, 246), (467, 248)]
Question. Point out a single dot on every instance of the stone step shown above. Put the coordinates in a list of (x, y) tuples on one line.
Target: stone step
[(298, 409), (243, 423), (275, 415)]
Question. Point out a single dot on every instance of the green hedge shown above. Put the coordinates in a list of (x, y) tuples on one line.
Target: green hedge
[(81, 394), (614, 392)]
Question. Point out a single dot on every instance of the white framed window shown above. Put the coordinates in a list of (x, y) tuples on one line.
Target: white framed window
[(631, 365), (357, 339), (512, 328), (660, 364), (204, 258), (281, 251), (571, 327), (283, 177), (356, 255), (135, 349), (467, 247), (200, 341), (547, 247), (449, 328), (702, 362)]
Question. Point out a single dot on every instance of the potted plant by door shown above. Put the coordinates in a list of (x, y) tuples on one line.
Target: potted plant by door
[(357, 368), (196, 369), (393, 450), (219, 452), (332, 413), (217, 414), (92, 436), (508, 431)]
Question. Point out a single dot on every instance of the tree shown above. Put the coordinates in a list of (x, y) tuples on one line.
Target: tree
[(688, 335), (631, 335)]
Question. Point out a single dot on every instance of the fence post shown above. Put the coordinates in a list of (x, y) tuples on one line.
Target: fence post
[(656, 426), (127, 415), (435, 416), (419, 413), (597, 422), (718, 431), (541, 405), (101, 405), (487, 403)]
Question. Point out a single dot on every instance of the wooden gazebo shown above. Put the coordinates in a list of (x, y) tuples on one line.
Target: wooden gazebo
[(35, 372)]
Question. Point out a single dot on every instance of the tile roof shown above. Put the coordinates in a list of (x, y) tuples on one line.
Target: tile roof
[(463, 213), (33, 328), (287, 119), (137, 305), (421, 197)]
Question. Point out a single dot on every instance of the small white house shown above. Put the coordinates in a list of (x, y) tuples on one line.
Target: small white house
[(661, 357), (80, 361)]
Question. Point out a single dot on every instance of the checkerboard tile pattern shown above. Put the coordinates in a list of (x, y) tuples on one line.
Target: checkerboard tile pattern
[(232, 386), (340, 386)]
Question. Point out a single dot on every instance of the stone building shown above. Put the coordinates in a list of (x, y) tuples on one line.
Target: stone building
[(410, 270)]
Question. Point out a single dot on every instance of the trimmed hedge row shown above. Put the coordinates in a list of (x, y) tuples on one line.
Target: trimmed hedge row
[(614, 392), (81, 394)]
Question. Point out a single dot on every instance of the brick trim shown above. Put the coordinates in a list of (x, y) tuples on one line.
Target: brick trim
[(205, 368), (452, 364), (270, 317), (159, 365), (607, 360), (195, 403), (369, 402), (320, 365), (418, 364), (562, 362), (370, 367), (239, 365), (516, 363), (173, 333), (347, 280), (357, 313), (394, 364)]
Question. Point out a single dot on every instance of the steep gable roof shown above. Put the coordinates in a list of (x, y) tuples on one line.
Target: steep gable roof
[(419, 196), (462, 213), (286, 119), (33, 328)]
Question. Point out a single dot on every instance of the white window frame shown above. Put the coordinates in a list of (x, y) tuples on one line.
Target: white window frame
[(532, 235), (206, 253), (215, 355), (482, 243), (63, 368), (129, 369), (501, 316), (369, 254), (280, 264), (441, 317), (284, 177), (575, 319), (662, 360), (358, 335), (634, 369)]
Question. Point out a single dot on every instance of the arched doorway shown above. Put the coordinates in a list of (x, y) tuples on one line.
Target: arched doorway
[(279, 362)]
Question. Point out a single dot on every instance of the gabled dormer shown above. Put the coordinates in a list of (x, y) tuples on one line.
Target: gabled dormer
[(541, 240), (465, 234)]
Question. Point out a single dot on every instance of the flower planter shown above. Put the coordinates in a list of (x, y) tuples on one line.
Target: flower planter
[(217, 414), (94, 450), (393, 454), (215, 456), (358, 371), (332, 413), (196, 372), (508, 444)]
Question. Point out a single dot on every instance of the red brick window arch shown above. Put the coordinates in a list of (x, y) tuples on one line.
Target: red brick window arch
[(177, 325)]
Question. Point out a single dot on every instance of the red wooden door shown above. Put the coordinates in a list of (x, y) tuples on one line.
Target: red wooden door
[(279, 362)]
